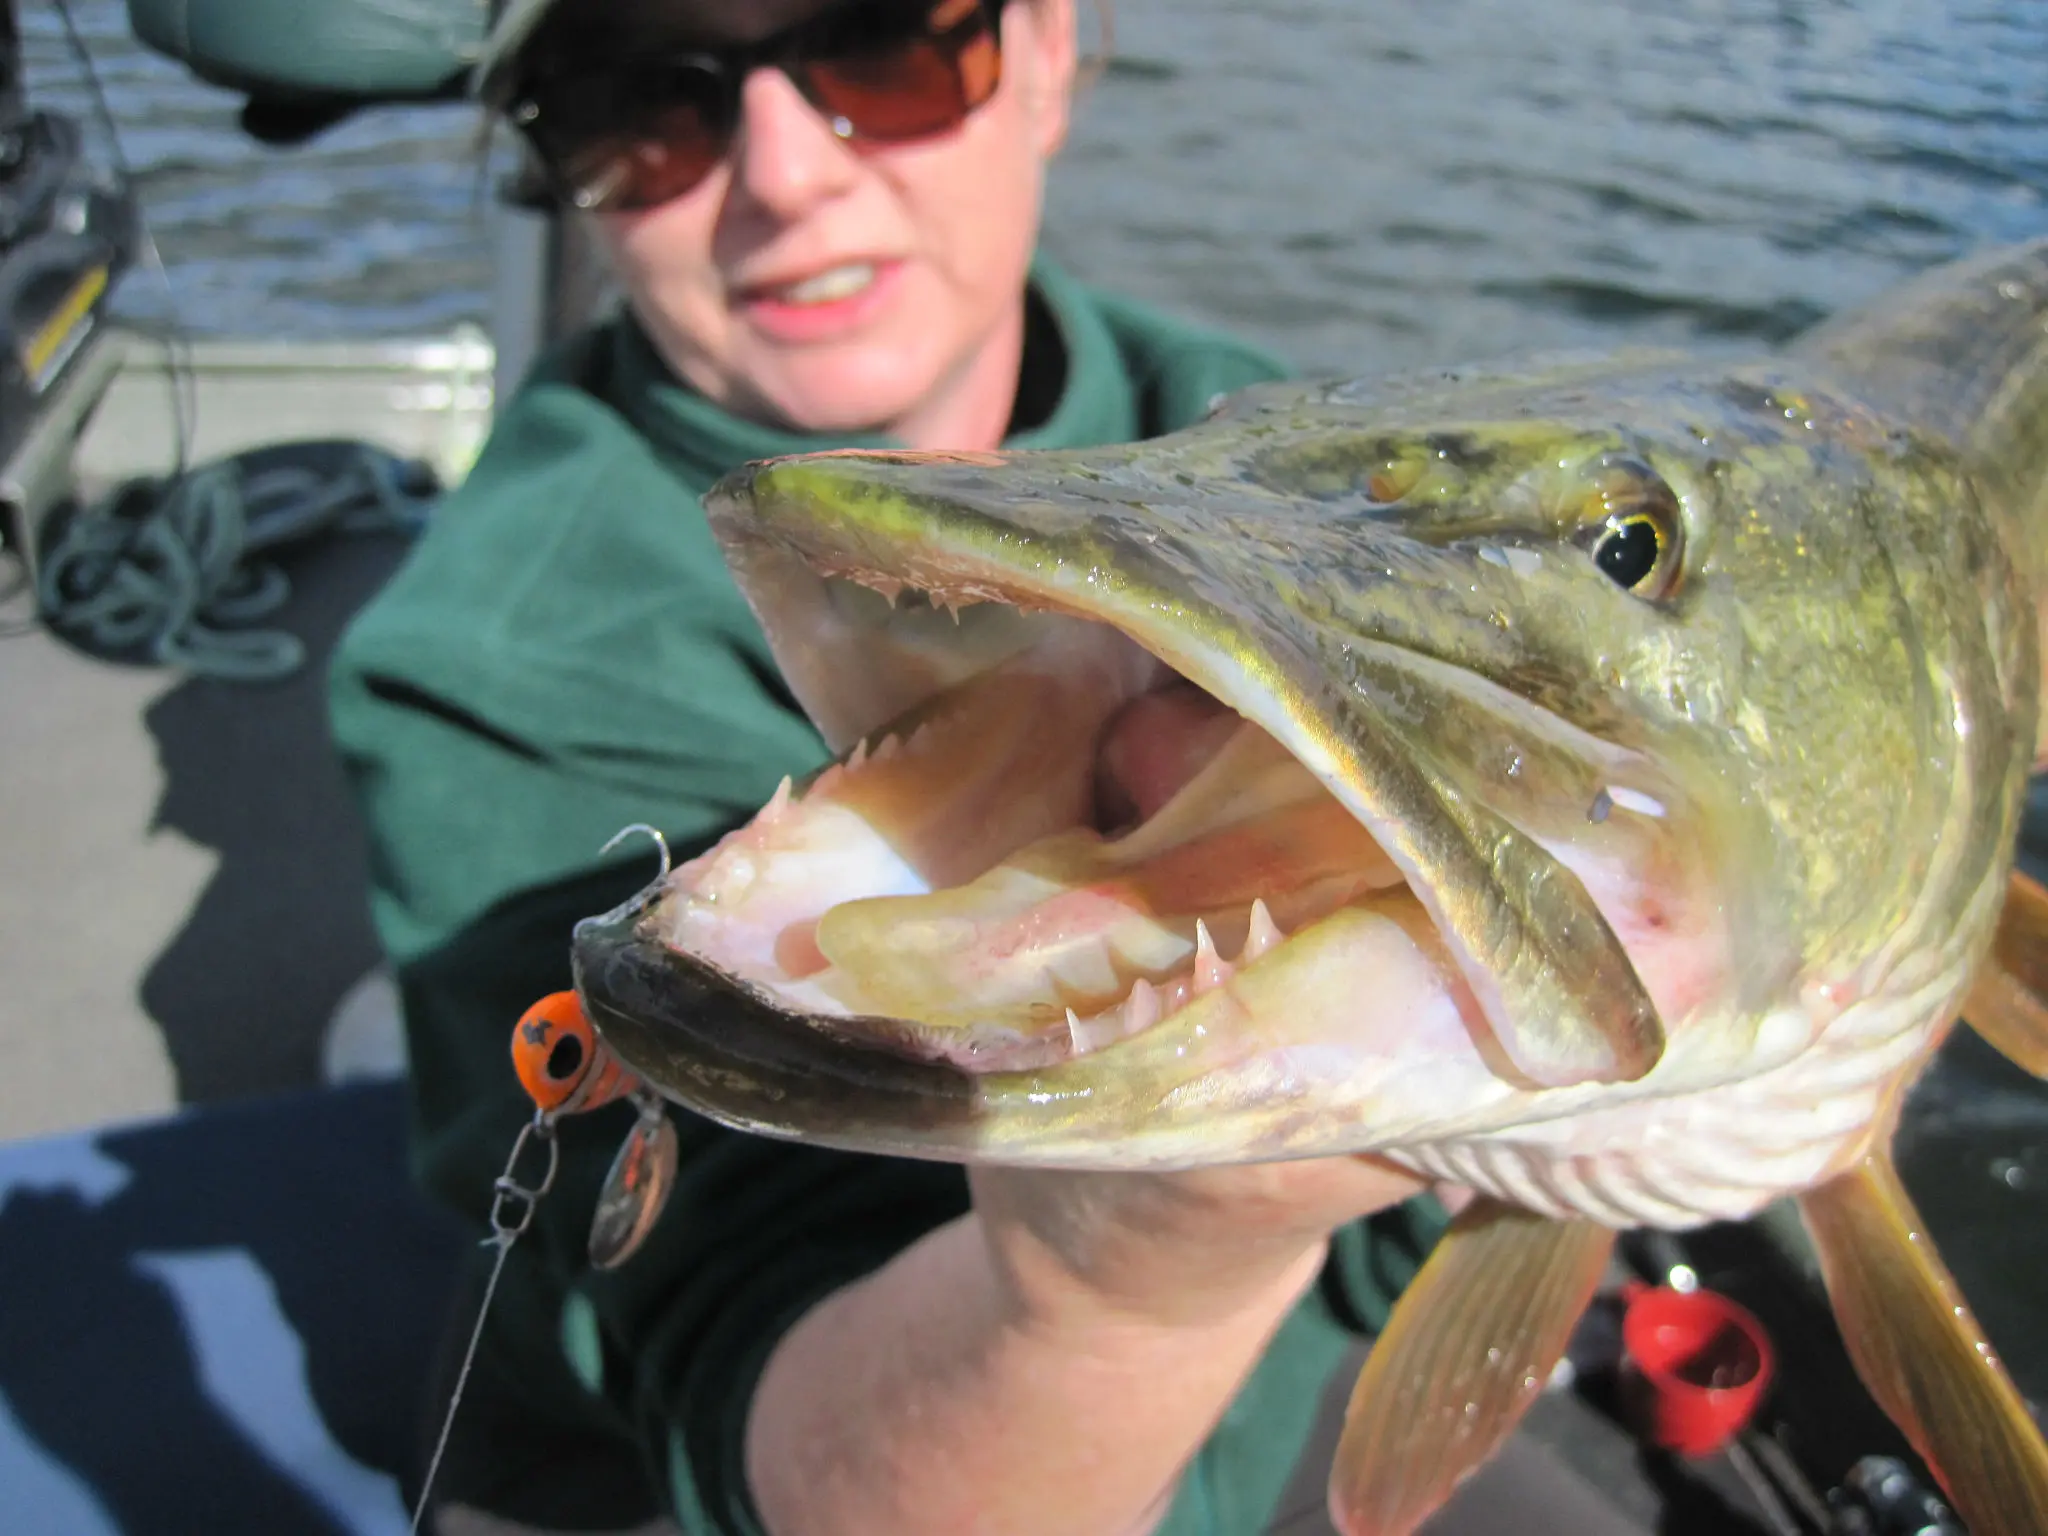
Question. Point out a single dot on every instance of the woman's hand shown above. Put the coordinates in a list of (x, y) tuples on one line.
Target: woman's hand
[(1048, 1362), (1175, 1249)]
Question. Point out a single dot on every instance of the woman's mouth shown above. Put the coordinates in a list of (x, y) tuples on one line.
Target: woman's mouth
[(822, 304), (840, 282)]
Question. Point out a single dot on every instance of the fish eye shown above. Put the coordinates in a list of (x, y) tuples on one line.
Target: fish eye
[(1398, 473), (1627, 551), (1633, 528)]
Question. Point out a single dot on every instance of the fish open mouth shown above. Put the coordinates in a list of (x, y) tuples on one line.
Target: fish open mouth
[(1104, 823), (1058, 853)]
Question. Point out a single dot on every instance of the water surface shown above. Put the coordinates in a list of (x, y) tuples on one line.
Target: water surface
[(1359, 184)]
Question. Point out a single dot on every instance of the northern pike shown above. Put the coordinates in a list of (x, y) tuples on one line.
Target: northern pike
[(1591, 781)]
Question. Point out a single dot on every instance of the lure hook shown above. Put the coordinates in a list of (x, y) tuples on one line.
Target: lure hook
[(660, 842)]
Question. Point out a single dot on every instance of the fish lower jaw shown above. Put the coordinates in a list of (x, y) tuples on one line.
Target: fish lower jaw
[(1038, 976), (1057, 1034)]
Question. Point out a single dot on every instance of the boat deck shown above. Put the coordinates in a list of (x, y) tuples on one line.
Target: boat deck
[(181, 906)]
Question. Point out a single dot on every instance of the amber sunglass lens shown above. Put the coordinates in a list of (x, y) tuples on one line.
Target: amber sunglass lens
[(923, 81), (631, 174), (905, 93), (643, 142), (668, 154)]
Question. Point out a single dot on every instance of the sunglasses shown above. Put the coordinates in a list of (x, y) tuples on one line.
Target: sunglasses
[(624, 134)]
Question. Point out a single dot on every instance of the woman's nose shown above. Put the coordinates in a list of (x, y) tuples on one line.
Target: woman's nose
[(786, 153)]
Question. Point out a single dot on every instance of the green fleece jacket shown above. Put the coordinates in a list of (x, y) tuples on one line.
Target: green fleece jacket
[(564, 653)]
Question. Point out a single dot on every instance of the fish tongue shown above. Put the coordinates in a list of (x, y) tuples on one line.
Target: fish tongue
[(1049, 928), (1074, 921), (1153, 746), (1246, 776)]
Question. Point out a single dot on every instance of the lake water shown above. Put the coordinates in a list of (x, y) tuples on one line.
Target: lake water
[(1360, 184)]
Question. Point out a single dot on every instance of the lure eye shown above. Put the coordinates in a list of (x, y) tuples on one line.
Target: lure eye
[(1633, 528), (565, 1061), (553, 1047)]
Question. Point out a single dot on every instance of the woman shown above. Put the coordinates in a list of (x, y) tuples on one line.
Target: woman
[(824, 219)]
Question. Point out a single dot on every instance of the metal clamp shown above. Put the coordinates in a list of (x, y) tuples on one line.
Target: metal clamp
[(510, 1195)]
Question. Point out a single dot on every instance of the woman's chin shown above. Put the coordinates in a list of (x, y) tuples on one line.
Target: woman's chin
[(843, 395), (919, 369)]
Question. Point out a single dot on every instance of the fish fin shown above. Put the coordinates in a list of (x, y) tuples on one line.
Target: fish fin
[(1922, 1354), (1470, 1345), (2011, 1017), (2008, 1002)]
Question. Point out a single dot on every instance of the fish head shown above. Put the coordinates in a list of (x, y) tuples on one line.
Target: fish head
[(1368, 763)]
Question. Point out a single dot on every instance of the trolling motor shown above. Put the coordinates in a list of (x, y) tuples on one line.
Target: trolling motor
[(65, 236)]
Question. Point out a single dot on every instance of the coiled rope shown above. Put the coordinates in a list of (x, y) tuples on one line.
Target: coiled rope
[(172, 571)]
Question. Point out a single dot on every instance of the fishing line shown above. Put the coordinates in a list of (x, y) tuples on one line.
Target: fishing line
[(476, 1334), (512, 1208), (181, 371), (566, 1069)]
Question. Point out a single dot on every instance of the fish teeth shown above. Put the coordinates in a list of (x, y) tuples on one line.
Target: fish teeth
[(885, 749), (1135, 1014), (1085, 968), (784, 795), (892, 590), (858, 756), (1211, 969), (1262, 935), (1094, 1033), (1141, 1010)]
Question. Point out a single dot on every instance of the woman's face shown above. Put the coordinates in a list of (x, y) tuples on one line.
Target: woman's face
[(834, 286)]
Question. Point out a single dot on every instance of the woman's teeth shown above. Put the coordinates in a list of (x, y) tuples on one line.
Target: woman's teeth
[(835, 283)]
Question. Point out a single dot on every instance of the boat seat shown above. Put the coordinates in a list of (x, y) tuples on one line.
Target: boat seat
[(303, 65)]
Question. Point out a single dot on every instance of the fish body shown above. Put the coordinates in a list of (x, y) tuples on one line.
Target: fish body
[(1590, 780)]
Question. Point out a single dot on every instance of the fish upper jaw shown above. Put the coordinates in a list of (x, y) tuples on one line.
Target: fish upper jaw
[(1321, 905), (1110, 546)]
